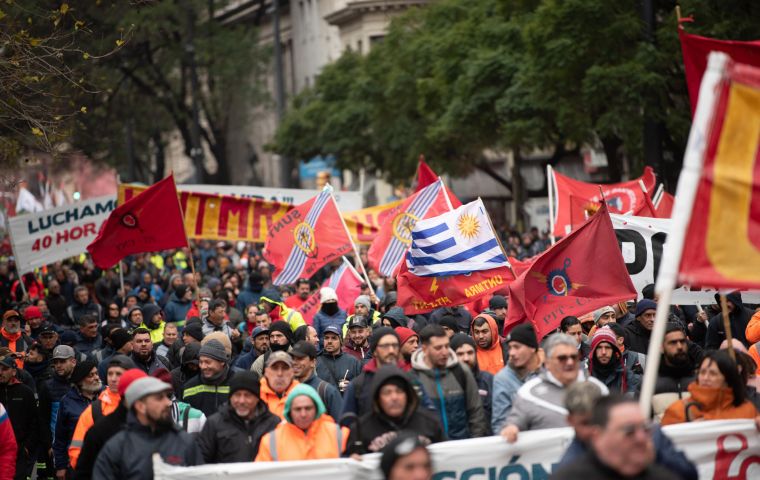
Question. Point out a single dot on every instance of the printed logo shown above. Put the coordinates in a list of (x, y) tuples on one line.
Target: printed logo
[(402, 226), (303, 235), (558, 281), (129, 220)]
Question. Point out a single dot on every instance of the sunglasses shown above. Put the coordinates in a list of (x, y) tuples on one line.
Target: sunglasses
[(564, 358)]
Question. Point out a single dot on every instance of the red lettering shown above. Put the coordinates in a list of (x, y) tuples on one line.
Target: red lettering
[(61, 237), (76, 233), (46, 241), (724, 458), (36, 245), (89, 228)]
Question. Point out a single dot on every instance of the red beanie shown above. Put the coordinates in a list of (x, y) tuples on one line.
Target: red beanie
[(128, 377), (404, 334), (32, 312)]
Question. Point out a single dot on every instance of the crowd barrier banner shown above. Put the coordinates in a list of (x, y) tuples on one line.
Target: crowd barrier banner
[(726, 449), (58, 233)]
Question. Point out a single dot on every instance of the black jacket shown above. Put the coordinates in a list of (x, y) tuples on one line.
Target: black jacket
[(95, 439), (128, 455), (738, 319), (333, 368), (637, 337), (226, 438), (21, 405), (205, 396), (375, 429)]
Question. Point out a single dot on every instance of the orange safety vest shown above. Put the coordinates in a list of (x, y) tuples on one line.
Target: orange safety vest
[(106, 403), (323, 439)]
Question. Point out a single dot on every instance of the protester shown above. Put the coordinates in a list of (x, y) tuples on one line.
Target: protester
[(607, 364), (143, 355), (333, 364), (410, 343), (259, 339), (278, 381), (637, 332), (234, 432), (188, 367), (13, 337), (329, 314), (150, 429), (304, 368), (8, 446), (450, 385), (280, 340), (215, 322), (187, 418), (210, 388), (406, 458), (179, 304), (492, 353), (171, 335), (497, 304), (739, 317), (717, 394), (21, 406), (64, 361), (572, 326), (464, 347), (307, 432), (83, 306), (357, 344), (278, 311), (524, 364), (602, 317), (134, 318), (677, 369), (303, 292)]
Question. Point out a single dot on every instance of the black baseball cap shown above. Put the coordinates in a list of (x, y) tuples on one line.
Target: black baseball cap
[(303, 349)]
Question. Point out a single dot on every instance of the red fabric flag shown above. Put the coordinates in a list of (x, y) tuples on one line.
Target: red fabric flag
[(722, 242), (580, 273), (665, 206), (308, 237), (424, 294), (695, 50), (395, 235), (149, 222), (426, 176), (574, 197), (346, 282)]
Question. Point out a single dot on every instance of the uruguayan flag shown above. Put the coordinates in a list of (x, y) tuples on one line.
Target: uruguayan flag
[(455, 243)]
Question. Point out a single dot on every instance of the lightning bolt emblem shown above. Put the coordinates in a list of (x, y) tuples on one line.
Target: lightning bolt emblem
[(434, 285)]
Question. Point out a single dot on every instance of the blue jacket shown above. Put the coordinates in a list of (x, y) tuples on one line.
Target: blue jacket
[(176, 309), (72, 406), (506, 383), (245, 360), (50, 396), (329, 394), (322, 321), (247, 297), (87, 346)]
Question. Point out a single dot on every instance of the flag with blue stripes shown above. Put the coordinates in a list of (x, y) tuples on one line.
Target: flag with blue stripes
[(455, 243)]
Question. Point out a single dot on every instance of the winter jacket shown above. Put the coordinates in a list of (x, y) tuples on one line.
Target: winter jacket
[(72, 406), (107, 402), (589, 467), (493, 358), (96, 438), (357, 398), (228, 438), (738, 319), (619, 377), (360, 353), (673, 382), (375, 429), (281, 312), (176, 309), (708, 404), (752, 332), (329, 394), (88, 345), (485, 390), (333, 368), (637, 337), (506, 383), (153, 363), (540, 403), (323, 439), (187, 418), (78, 310), (128, 455), (21, 407), (275, 401), (209, 327), (8, 446), (207, 396), (18, 342), (50, 404), (322, 320), (457, 402)]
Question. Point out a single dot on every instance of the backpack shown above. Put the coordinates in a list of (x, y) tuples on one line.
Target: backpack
[(97, 410)]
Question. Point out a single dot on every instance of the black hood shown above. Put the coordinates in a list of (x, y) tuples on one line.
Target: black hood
[(381, 377), (733, 297)]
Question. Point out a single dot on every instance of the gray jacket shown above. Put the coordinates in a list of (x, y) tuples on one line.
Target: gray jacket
[(540, 403), (506, 383)]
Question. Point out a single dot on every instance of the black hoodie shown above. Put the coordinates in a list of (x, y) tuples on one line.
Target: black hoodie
[(738, 319)]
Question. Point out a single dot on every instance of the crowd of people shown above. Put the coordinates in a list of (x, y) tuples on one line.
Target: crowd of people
[(220, 366)]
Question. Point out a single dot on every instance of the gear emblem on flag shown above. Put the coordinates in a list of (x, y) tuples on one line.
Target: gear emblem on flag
[(558, 281), (129, 220), (403, 224), (303, 235)]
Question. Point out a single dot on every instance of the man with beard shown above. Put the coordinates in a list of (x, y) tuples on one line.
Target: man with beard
[(280, 340), (492, 353), (233, 433), (498, 305), (83, 306), (259, 346), (607, 364), (64, 361), (358, 338), (210, 388), (465, 348), (303, 291), (13, 337), (637, 332), (150, 429), (329, 314), (153, 321), (88, 337), (143, 355), (410, 342), (396, 407), (86, 386), (304, 365), (215, 321), (524, 364), (333, 364), (188, 367), (678, 365), (134, 317), (278, 381), (19, 400)]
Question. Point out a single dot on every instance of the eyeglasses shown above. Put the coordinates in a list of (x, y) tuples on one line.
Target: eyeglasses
[(387, 346), (630, 430), (564, 358)]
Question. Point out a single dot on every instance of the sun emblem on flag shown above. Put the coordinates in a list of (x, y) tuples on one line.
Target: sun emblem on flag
[(402, 227), (468, 226), (303, 235), (558, 281)]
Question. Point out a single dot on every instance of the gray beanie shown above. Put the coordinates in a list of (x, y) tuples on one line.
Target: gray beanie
[(214, 349), (363, 300), (143, 387)]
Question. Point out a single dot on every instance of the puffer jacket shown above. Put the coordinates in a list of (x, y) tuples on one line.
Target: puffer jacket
[(226, 438), (72, 406), (333, 368), (176, 309), (128, 455), (540, 403), (493, 358), (205, 396), (708, 404), (506, 383), (458, 405), (376, 429)]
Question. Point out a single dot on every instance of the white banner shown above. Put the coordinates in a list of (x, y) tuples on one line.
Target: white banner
[(347, 201), (62, 232), (719, 449)]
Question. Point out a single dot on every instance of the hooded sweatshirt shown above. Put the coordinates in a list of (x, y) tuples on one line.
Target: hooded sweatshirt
[(156, 330), (491, 359), (738, 319)]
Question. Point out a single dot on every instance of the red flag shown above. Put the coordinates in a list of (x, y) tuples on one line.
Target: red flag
[(308, 237), (574, 197), (665, 206), (695, 50), (395, 235), (580, 273), (149, 222), (346, 282), (426, 176), (722, 241)]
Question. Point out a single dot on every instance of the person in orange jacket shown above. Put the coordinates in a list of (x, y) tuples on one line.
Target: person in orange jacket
[(752, 333), (279, 380), (105, 404), (308, 433), (718, 393), (491, 351)]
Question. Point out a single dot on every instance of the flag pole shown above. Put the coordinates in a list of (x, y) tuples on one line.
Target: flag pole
[(13, 251), (682, 209), (446, 194), (498, 239), (549, 185), (121, 263), (727, 327), (187, 240), (353, 245)]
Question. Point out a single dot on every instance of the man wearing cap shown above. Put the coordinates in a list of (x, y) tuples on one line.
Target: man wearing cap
[(13, 337), (179, 304), (492, 353), (358, 331), (134, 317), (278, 381), (150, 429), (21, 405), (48, 338), (280, 340), (524, 364), (607, 364), (466, 349), (498, 305), (363, 306), (395, 317), (304, 368), (233, 433), (333, 364), (406, 458), (188, 367), (306, 434), (86, 387), (210, 388), (329, 314), (602, 317), (104, 405), (410, 342), (52, 391), (637, 333)]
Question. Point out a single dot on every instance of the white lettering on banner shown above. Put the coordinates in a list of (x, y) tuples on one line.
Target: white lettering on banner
[(347, 201), (52, 235), (726, 449)]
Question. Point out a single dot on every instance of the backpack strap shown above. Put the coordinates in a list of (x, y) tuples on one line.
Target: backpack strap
[(273, 444), (97, 410), (185, 417), (322, 389)]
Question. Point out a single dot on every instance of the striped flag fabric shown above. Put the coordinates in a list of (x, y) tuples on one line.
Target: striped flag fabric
[(455, 243), (308, 237), (347, 284), (395, 235)]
